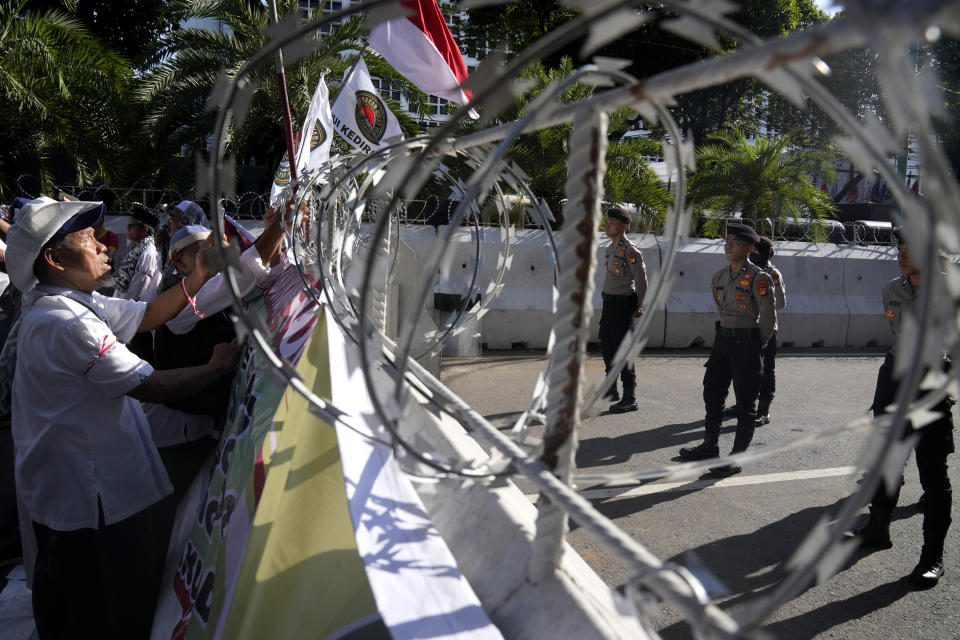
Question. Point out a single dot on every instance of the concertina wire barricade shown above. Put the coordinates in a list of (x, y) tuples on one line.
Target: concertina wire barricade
[(347, 235)]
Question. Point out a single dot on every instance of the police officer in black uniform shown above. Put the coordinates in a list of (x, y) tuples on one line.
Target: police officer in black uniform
[(768, 384), (743, 297), (624, 287), (934, 445)]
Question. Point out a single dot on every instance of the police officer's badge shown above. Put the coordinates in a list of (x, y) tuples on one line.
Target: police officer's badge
[(318, 136), (742, 306), (762, 288), (891, 314), (371, 116)]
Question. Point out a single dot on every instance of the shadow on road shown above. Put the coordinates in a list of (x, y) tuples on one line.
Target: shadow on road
[(602, 451), (830, 615), (750, 565), (503, 421)]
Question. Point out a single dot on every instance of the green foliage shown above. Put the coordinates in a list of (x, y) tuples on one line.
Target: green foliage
[(652, 50), (543, 154), (945, 56), (129, 27), (515, 24), (62, 89), (762, 177), (851, 81)]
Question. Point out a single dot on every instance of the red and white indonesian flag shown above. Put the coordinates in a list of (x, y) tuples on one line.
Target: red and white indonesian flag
[(361, 117), (422, 49)]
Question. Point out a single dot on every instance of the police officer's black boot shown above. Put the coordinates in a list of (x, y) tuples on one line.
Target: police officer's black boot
[(763, 414), (929, 570), (873, 535), (629, 402), (706, 449), (745, 426)]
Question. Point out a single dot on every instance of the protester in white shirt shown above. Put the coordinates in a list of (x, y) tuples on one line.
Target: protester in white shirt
[(138, 274), (185, 429), (87, 470), (184, 340)]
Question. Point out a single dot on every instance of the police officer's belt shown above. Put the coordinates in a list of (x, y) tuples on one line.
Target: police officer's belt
[(615, 296), (738, 333)]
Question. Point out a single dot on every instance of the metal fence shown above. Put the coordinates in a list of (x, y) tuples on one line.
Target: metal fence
[(246, 206)]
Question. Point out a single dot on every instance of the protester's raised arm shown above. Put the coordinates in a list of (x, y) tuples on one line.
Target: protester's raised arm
[(172, 301), (268, 244)]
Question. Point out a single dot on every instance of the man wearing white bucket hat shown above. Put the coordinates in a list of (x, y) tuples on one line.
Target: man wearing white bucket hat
[(87, 470)]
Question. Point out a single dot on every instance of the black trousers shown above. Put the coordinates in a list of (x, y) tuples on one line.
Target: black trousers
[(935, 444), (737, 360), (9, 516), (616, 318), (98, 583), (142, 346), (768, 383)]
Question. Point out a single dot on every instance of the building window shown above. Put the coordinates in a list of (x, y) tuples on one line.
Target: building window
[(436, 106), (386, 89)]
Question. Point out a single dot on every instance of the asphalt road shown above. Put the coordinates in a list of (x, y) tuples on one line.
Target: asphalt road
[(743, 530)]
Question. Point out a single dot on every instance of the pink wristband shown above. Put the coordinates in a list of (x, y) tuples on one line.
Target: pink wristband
[(190, 301)]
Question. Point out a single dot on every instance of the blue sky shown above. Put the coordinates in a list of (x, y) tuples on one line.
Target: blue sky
[(826, 5)]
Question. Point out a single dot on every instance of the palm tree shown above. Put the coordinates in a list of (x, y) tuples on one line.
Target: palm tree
[(543, 154), (760, 177), (173, 93), (62, 90)]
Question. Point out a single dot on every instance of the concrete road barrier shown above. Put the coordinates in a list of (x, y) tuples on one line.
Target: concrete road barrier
[(690, 313), (816, 313), (833, 292), (865, 271)]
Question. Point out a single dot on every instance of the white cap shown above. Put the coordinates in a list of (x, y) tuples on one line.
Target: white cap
[(37, 222)]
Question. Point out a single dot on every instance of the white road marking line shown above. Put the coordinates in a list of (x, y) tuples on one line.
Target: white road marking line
[(696, 485)]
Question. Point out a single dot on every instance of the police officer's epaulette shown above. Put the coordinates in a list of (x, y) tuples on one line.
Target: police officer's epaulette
[(758, 272)]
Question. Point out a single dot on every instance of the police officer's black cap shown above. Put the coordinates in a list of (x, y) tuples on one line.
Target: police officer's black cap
[(619, 214), (743, 232), (144, 215)]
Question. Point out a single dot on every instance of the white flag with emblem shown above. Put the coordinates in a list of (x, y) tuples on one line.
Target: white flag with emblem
[(317, 127), (314, 147), (281, 178), (361, 117)]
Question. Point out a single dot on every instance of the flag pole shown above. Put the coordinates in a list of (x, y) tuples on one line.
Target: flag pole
[(346, 76), (285, 102)]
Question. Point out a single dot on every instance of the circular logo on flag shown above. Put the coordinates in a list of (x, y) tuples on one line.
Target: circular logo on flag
[(371, 116), (282, 178), (318, 137)]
